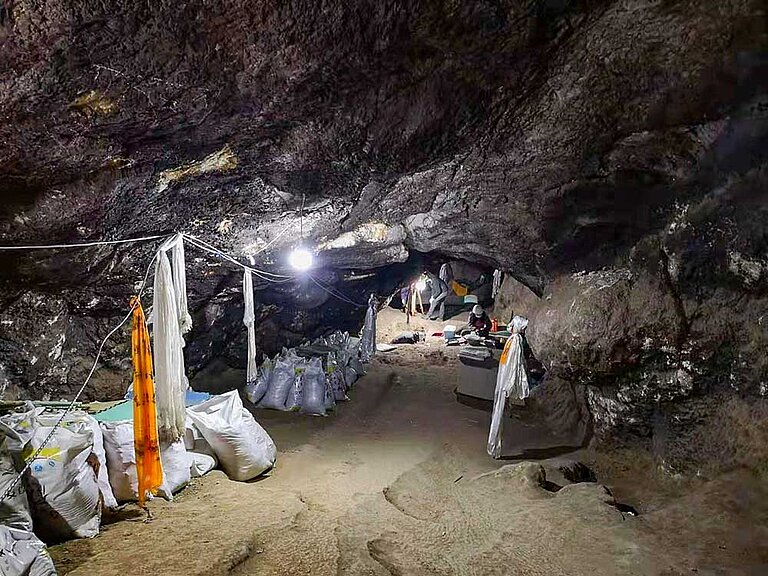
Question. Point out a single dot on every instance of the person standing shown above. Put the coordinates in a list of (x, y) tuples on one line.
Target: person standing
[(440, 291), (405, 292)]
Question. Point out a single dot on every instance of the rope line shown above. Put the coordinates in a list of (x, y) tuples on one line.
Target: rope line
[(84, 244)]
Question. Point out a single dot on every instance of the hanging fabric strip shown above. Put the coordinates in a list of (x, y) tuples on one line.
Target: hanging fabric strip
[(512, 381), (249, 319), (170, 380), (498, 277), (149, 468), (368, 336), (180, 283)]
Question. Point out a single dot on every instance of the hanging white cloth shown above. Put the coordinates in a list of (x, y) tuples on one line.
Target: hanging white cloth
[(512, 381), (368, 336), (180, 283), (248, 319), (446, 274), (170, 380), (498, 276)]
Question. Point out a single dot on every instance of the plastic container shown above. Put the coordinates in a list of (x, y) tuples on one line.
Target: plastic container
[(449, 332)]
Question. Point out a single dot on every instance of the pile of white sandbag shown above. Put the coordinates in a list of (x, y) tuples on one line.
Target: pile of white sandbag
[(309, 385), (62, 494), (223, 429), (86, 466), (218, 431), (121, 463), (66, 486), (23, 554)]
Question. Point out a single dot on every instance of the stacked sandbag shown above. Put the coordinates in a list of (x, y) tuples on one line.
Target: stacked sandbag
[(255, 390), (121, 463), (14, 510), (314, 386), (202, 455), (294, 400), (102, 473), (61, 484), (283, 383), (335, 376), (280, 383), (243, 448), (23, 554)]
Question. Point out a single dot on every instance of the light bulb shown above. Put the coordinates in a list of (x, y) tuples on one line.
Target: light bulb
[(300, 259), (421, 285)]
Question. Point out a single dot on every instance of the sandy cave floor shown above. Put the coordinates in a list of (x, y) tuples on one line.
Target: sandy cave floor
[(397, 482)]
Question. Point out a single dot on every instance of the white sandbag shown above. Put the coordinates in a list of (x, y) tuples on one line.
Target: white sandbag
[(23, 554), (14, 510), (62, 486), (295, 394), (50, 419), (243, 447), (511, 381), (255, 390), (336, 377), (200, 464), (350, 375), (121, 459), (176, 468), (357, 366), (194, 441), (313, 400), (102, 473), (121, 463), (330, 400), (202, 458), (279, 385)]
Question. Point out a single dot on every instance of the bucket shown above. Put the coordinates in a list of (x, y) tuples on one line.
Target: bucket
[(449, 332)]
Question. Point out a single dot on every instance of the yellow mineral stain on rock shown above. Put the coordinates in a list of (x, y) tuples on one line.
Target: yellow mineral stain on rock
[(94, 102), (370, 232), (220, 161)]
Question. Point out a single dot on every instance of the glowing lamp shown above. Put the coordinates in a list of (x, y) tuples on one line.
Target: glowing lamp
[(300, 259), (421, 285)]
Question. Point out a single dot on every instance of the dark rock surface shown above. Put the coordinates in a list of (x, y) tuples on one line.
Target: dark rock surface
[(610, 155)]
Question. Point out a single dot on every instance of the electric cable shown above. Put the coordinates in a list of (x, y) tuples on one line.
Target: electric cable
[(336, 293), (264, 248), (263, 274)]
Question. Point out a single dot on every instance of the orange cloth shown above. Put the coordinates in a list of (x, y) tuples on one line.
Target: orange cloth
[(505, 352), (459, 289), (149, 469)]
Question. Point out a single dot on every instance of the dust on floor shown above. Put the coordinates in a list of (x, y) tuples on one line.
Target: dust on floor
[(397, 481)]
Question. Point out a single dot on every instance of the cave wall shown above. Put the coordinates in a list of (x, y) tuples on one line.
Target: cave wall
[(610, 155)]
